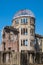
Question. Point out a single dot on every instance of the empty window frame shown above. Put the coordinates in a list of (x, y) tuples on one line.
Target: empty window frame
[(9, 48), (32, 42), (32, 31), (24, 31), (11, 36), (4, 45), (32, 21), (3, 34), (17, 21), (24, 20), (24, 42)]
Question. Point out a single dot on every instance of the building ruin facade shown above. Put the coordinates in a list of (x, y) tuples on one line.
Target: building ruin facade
[(20, 44)]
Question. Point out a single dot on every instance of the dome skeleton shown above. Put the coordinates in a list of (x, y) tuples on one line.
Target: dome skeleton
[(24, 13)]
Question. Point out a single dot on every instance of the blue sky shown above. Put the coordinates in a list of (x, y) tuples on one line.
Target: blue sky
[(8, 8)]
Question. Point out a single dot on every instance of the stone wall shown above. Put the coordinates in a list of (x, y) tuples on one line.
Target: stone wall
[(16, 58)]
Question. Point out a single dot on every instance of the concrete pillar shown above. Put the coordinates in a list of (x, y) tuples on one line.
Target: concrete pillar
[(31, 59), (19, 58), (7, 57), (34, 59), (12, 60), (27, 58), (40, 58), (1, 57)]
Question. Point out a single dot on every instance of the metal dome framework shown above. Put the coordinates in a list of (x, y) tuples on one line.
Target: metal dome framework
[(24, 13)]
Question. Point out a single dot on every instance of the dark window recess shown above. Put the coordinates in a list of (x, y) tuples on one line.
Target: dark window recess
[(24, 21), (21, 42), (24, 56), (32, 31), (13, 50), (41, 43), (24, 31), (24, 42), (21, 31), (4, 45), (32, 42), (32, 21), (17, 21), (22, 51), (3, 35), (9, 48), (4, 57)]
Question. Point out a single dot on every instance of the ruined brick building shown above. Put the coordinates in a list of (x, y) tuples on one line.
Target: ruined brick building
[(20, 44)]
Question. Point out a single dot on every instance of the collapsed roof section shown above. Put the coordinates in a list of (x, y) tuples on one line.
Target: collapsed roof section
[(9, 29), (24, 12), (38, 36)]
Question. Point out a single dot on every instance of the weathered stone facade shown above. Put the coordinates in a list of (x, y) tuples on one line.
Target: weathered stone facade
[(20, 44), (24, 58), (10, 39)]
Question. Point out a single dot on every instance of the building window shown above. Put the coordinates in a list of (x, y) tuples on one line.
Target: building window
[(32, 21), (32, 31), (9, 48), (21, 42), (4, 45), (24, 31), (22, 51), (4, 57), (3, 34), (17, 21), (24, 42), (24, 21), (11, 36), (41, 42), (32, 42)]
